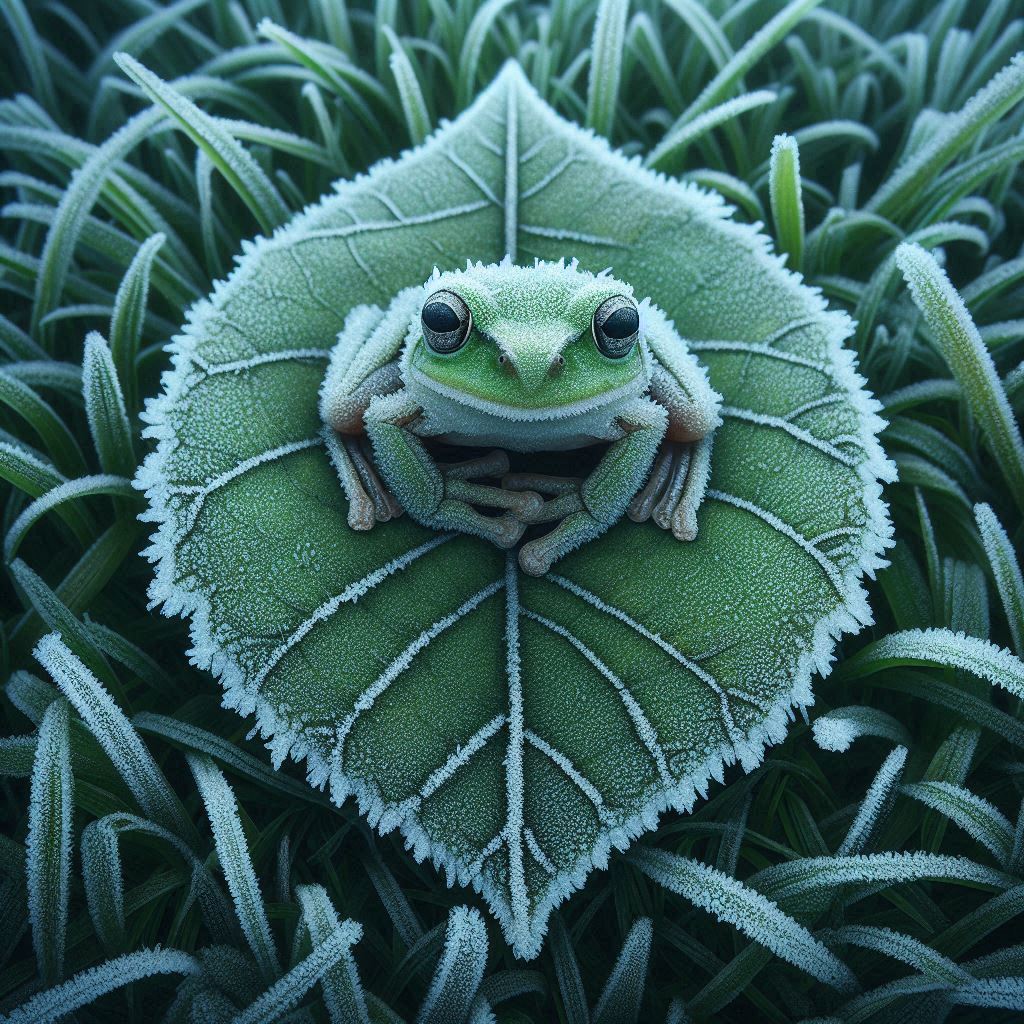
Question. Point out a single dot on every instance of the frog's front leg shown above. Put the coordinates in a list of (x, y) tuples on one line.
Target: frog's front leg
[(676, 486), (437, 496), (603, 496)]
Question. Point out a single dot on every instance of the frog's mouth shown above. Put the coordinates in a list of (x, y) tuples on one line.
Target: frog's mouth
[(510, 411)]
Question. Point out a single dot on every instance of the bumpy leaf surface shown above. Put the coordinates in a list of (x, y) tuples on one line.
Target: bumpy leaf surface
[(515, 729)]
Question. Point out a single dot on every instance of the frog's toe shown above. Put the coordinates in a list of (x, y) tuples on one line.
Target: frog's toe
[(361, 513), (494, 463), (506, 531)]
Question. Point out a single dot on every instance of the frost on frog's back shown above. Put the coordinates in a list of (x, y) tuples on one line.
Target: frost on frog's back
[(514, 728)]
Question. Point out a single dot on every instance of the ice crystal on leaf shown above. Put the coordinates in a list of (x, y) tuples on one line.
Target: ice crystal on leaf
[(514, 729)]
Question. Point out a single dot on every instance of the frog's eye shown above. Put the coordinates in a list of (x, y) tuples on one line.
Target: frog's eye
[(446, 321), (616, 326)]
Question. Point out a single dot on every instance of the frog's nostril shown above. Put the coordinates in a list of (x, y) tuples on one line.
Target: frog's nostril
[(557, 365), (506, 364)]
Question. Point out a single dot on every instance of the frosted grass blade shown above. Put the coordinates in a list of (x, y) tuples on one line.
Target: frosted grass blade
[(274, 1004), (1006, 570), (472, 47), (88, 985), (104, 884), (787, 198), (343, 992), (624, 990), (939, 647), (414, 106), (238, 167), (126, 322), (72, 490), (898, 192), (975, 815), (115, 734), (792, 879), (735, 903), (962, 348), (876, 804), (235, 862), (459, 971), (683, 133), (740, 64), (606, 65), (905, 948), (837, 729), (48, 846)]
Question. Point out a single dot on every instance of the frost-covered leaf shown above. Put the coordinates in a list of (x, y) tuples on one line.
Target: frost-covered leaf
[(415, 670)]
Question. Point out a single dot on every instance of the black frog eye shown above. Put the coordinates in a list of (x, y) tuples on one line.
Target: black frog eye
[(616, 326), (446, 322)]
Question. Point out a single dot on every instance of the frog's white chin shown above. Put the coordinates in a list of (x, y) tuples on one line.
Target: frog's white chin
[(457, 418)]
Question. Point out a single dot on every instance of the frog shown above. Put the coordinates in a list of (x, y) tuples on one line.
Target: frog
[(548, 357)]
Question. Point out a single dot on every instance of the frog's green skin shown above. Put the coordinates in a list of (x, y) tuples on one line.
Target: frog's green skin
[(529, 377)]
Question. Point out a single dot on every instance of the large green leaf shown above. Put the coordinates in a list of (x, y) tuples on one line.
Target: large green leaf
[(515, 729)]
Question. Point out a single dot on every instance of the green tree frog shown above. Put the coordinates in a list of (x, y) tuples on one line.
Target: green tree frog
[(548, 357)]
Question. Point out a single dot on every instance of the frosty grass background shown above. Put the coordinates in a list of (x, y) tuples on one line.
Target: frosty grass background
[(155, 863)]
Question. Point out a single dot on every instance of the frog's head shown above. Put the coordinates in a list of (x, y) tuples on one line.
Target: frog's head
[(529, 342)]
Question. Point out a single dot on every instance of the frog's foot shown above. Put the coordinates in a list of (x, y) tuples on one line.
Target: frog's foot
[(564, 496), (523, 504), (369, 500), (565, 506), (675, 488)]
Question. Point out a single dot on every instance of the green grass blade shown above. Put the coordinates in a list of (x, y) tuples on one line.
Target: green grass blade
[(235, 862), (1006, 571), (343, 992), (756, 916), (48, 846), (236, 165), (606, 53), (787, 199)]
